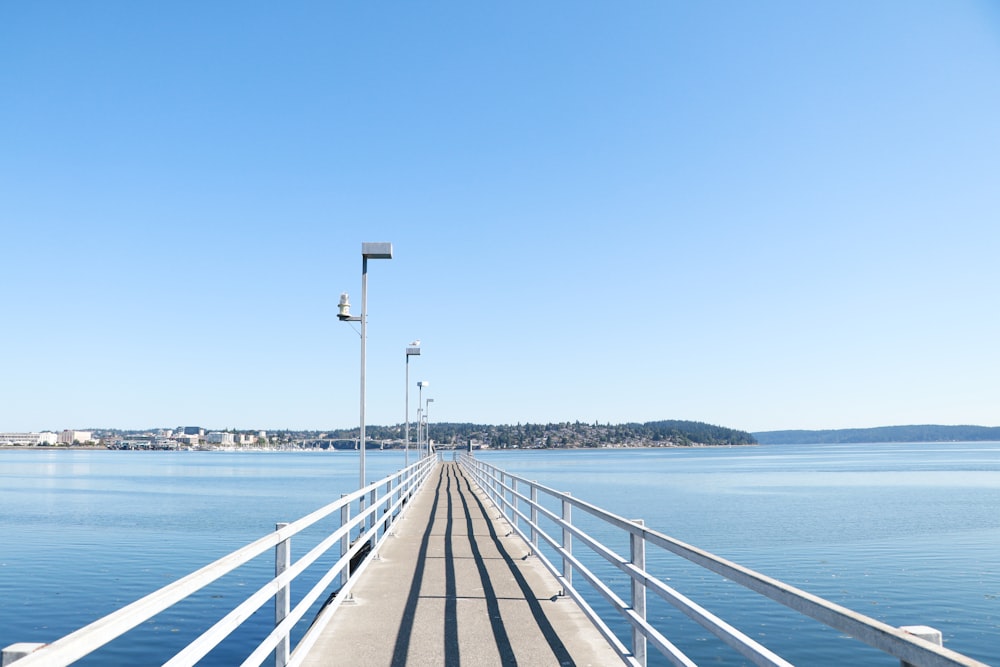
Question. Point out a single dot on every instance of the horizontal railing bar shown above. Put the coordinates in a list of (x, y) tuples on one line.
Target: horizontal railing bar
[(413, 484), (293, 617), (595, 545), (568, 589), (594, 510), (864, 628), (746, 646), (882, 636), (665, 646), (749, 648), (268, 644), (222, 628), (661, 643), (89, 638), (623, 652)]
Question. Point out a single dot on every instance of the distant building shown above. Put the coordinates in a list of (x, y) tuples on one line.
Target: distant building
[(69, 437), (221, 438), (29, 439), (191, 430)]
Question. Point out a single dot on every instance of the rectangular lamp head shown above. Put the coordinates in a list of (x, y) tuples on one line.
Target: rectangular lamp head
[(376, 250)]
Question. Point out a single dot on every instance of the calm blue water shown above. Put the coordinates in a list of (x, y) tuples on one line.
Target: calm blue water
[(87, 532), (908, 534)]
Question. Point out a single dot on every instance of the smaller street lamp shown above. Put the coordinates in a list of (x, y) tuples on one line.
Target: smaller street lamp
[(427, 425), (413, 350), (420, 403)]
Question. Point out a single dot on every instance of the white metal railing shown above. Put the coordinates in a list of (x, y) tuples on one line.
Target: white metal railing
[(517, 498), (380, 504)]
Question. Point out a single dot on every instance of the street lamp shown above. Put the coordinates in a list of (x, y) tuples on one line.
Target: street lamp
[(420, 403), (412, 351), (427, 425), (368, 251)]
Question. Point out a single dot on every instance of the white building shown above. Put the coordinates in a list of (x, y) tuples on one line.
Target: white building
[(220, 438), (29, 439), (69, 437)]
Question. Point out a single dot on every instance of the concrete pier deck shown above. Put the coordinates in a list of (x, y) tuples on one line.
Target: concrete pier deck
[(452, 586)]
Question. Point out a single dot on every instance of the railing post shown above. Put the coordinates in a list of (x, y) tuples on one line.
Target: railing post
[(514, 499), (926, 633), (282, 599), (373, 496), (345, 541), (534, 516), (498, 490), (638, 558), (388, 505), (503, 495), (567, 517), (361, 510)]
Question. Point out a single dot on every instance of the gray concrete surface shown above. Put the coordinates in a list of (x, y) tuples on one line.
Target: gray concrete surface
[(451, 587)]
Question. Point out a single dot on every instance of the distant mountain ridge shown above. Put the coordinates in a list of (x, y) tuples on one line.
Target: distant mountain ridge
[(921, 433)]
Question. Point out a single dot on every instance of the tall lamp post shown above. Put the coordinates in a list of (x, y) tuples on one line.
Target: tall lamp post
[(420, 404), (412, 351), (368, 251), (427, 425)]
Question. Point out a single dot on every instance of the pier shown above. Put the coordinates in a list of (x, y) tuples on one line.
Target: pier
[(454, 586), (462, 563)]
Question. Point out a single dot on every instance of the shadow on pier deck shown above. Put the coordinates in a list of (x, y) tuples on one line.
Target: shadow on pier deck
[(452, 586)]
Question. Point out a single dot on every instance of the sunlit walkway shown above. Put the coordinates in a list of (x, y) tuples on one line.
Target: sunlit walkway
[(452, 587)]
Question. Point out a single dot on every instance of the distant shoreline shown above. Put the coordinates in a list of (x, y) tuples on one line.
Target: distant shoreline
[(923, 433), (370, 449), (58, 448), (317, 450)]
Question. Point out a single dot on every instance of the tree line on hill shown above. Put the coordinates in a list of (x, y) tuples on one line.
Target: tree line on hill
[(669, 433), (921, 433)]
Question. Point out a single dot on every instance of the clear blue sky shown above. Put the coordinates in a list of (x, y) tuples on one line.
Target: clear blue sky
[(761, 215)]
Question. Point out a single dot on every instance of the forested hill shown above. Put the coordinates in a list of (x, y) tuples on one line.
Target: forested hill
[(925, 433), (671, 433)]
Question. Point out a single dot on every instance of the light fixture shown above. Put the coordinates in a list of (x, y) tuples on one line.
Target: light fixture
[(368, 251)]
